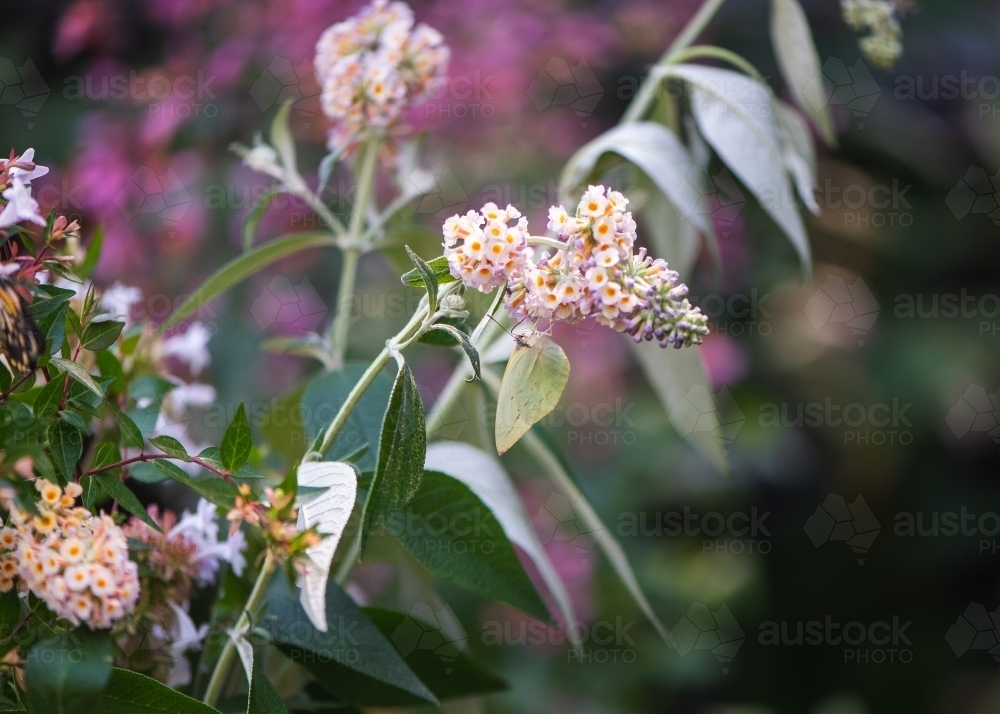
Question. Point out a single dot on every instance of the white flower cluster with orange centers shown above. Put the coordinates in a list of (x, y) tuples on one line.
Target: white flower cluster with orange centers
[(483, 248)]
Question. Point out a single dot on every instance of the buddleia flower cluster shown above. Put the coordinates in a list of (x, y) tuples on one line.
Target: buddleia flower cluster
[(372, 68), (590, 270), (73, 561), (185, 553), (883, 44), (483, 248)]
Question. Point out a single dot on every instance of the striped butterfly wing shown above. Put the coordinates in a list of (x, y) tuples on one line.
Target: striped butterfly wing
[(21, 341)]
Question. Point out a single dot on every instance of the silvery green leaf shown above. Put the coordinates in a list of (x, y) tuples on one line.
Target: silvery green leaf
[(486, 478), (329, 512), (282, 140), (798, 152), (673, 375), (654, 149), (735, 114), (799, 63)]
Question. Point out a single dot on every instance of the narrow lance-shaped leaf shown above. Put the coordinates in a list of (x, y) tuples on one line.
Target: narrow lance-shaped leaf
[(254, 217), (654, 149), (799, 63), (66, 444), (429, 280), (329, 513), (401, 452), (735, 115), (674, 374), (439, 266), (451, 531), (489, 481), (463, 339), (352, 660), (101, 335), (131, 435), (133, 693), (245, 265)]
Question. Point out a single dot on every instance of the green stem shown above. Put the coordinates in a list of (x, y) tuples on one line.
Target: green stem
[(359, 389), (352, 252), (222, 667), (647, 92)]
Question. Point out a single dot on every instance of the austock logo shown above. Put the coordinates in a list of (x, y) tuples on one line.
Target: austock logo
[(701, 629), (854, 87), (282, 83), (560, 84), (700, 411), (150, 194), (294, 308), (440, 193), (975, 629), (560, 520), (838, 303), (439, 632), (976, 411), (836, 520), (975, 193), (23, 88)]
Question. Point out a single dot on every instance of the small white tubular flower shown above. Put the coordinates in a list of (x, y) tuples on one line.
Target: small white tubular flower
[(24, 167), (190, 347), (201, 530), (483, 249), (20, 205), (118, 301), (374, 66)]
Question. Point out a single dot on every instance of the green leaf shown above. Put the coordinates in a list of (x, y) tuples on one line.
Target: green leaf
[(245, 265), (352, 660), (171, 447), (534, 380), (264, 698), (112, 485), (237, 442), (65, 674), (463, 339), (10, 613), (281, 137), (66, 444), (325, 396), (799, 63), (134, 693), (441, 661), (101, 335), (439, 267), (48, 399), (112, 368), (678, 378), (254, 217), (450, 530), (131, 436), (77, 372), (401, 451), (212, 488), (486, 477), (427, 278), (93, 253), (91, 491)]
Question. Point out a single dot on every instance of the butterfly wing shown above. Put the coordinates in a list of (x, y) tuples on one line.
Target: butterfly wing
[(20, 339), (532, 384)]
